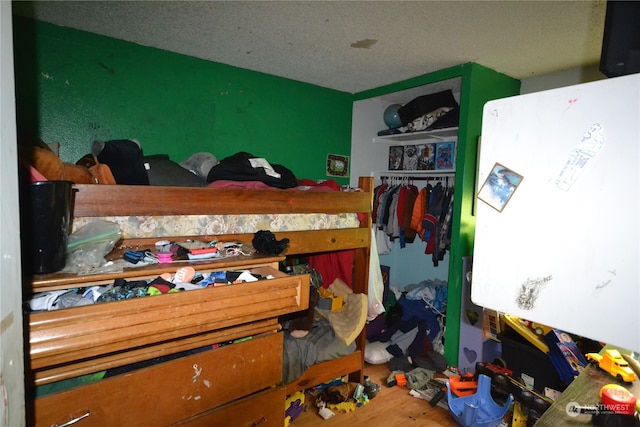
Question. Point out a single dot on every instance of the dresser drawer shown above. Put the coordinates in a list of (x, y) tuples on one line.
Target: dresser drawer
[(173, 391), (103, 332), (264, 409)]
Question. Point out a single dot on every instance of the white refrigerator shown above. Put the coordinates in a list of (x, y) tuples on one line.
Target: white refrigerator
[(557, 209)]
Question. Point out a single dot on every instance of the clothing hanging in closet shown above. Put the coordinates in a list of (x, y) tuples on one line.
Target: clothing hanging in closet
[(402, 212)]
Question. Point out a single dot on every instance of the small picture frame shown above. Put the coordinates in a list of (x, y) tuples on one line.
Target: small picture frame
[(445, 155), (396, 154), (426, 156), (337, 165), (499, 187), (410, 158)]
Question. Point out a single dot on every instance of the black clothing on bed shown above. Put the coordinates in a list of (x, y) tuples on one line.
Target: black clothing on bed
[(239, 167)]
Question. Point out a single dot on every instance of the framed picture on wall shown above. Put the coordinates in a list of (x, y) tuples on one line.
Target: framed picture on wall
[(445, 155), (410, 159), (426, 156), (396, 154), (337, 165)]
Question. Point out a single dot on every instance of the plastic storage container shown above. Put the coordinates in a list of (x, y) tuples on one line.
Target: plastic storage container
[(46, 227), (523, 358)]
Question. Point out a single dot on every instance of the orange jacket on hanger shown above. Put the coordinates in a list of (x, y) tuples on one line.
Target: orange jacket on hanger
[(419, 209)]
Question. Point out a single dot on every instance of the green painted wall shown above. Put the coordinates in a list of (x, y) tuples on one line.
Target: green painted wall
[(75, 87)]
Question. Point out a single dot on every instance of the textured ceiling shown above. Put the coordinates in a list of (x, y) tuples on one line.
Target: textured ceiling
[(350, 45)]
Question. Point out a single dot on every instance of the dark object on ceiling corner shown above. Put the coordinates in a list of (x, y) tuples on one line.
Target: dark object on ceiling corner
[(621, 40)]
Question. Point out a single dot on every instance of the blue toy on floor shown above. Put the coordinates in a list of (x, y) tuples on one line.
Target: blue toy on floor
[(478, 409)]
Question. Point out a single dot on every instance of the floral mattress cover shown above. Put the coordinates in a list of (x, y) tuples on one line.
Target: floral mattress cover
[(199, 225)]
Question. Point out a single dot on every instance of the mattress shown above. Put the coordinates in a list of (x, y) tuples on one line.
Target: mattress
[(200, 225)]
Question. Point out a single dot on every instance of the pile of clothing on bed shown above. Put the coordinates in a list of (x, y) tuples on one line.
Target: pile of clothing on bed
[(326, 330), (336, 314), (122, 161)]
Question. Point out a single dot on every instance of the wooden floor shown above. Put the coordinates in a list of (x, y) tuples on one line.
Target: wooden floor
[(392, 407)]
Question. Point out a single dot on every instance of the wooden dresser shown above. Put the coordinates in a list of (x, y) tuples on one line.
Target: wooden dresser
[(236, 384)]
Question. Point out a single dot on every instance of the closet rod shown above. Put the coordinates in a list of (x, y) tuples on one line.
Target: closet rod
[(413, 175), (421, 178)]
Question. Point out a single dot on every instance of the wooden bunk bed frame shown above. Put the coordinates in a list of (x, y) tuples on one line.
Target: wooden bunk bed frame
[(117, 200)]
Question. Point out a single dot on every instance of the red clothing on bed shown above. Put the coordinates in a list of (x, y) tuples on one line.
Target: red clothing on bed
[(334, 265)]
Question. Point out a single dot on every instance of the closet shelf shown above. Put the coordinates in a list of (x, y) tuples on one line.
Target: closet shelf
[(405, 138)]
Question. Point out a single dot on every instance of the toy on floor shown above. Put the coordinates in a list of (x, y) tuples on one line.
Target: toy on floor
[(344, 392), (371, 389), (323, 411), (565, 355), (343, 407), (293, 405), (350, 405), (463, 385), (343, 396), (401, 379), (478, 409)]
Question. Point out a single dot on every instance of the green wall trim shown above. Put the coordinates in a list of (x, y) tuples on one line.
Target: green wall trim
[(479, 84), (74, 87)]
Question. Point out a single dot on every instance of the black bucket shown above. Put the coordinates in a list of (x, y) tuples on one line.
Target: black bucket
[(49, 220)]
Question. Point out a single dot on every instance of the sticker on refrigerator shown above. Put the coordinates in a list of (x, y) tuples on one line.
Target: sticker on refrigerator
[(580, 157), (499, 187)]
